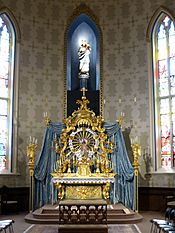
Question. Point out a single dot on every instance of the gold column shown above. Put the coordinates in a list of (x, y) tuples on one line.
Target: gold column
[(136, 150), (31, 153)]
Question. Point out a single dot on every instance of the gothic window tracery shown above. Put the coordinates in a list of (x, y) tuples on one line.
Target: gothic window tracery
[(163, 43), (7, 48)]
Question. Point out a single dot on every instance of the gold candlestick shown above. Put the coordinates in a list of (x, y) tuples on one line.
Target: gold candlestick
[(97, 166), (31, 154), (136, 151), (47, 120), (120, 120)]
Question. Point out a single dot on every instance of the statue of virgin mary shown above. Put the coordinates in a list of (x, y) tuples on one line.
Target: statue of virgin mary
[(83, 54)]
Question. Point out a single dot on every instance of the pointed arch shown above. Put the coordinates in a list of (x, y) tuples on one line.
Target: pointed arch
[(9, 41), (161, 54), (83, 18), (155, 18), (10, 15)]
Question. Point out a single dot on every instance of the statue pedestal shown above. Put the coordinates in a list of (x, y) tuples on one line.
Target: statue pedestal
[(83, 81)]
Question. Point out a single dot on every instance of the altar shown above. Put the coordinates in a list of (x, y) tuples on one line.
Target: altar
[(83, 156), (82, 173), (83, 169), (47, 186), (84, 188), (85, 174)]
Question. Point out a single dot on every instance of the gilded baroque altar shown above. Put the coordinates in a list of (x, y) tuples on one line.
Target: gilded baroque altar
[(83, 169)]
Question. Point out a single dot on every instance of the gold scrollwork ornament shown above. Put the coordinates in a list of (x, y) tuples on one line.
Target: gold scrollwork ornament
[(106, 189), (60, 189)]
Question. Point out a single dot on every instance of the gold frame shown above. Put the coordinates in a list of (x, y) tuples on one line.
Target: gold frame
[(80, 10)]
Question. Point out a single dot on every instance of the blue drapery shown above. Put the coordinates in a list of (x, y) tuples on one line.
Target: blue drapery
[(121, 191)]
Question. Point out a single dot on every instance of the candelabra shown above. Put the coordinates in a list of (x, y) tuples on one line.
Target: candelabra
[(136, 151), (120, 120), (31, 153), (47, 120), (57, 148)]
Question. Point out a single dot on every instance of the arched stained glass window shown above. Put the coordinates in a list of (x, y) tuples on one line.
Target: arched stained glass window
[(163, 41), (7, 49)]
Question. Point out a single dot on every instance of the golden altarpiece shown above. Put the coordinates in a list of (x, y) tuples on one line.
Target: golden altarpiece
[(87, 161), (82, 174), (83, 169)]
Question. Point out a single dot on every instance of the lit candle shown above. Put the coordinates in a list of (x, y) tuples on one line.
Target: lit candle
[(136, 139), (104, 101), (135, 99), (139, 152)]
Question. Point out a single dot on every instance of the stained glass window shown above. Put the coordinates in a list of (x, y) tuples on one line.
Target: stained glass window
[(6, 91), (164, 70)]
